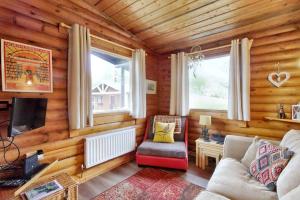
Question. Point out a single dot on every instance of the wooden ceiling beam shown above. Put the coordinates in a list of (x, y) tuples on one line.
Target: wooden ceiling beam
[(278, 20), (132, 9), (119, 6), (143, 12), (208, 12), (104, 4), (166, 13), (220, 24), (102, 15)]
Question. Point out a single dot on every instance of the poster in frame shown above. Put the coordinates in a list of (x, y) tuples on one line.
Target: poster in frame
[(296, 112), (25, 68), (151, 87)]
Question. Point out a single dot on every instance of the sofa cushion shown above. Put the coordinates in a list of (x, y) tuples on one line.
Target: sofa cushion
[(292, 195), (269, 163), (206, 195), (289, 178), (232, 180), (173, 150), (250, 154)]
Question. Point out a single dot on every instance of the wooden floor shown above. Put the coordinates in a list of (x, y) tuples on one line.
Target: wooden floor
[(103, 182)]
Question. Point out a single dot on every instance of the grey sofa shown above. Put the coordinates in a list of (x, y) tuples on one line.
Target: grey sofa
[(231, 179)]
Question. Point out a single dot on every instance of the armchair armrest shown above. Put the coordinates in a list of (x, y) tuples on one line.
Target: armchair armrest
[(236, 146)]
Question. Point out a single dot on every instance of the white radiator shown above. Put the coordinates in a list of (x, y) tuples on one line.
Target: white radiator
[(101, 147)]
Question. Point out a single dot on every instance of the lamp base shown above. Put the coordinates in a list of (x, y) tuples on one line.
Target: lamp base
[(205, 134)]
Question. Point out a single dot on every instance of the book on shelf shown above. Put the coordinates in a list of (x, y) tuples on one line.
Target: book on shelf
[(42, 191)]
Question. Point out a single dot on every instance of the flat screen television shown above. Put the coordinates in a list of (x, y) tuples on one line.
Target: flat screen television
[(26, 114)]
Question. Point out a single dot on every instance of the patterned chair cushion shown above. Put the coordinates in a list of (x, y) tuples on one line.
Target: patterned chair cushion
[(269, 163), (177, 136)]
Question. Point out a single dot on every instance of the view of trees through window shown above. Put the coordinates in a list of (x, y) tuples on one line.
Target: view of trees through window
[(110, 82), (208, 84)]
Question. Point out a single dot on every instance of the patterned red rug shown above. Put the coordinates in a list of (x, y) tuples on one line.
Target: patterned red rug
[(152, 184)]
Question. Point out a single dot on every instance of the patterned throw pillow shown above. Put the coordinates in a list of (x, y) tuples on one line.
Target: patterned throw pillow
[(164, 132), (168, 119), (269, 163)]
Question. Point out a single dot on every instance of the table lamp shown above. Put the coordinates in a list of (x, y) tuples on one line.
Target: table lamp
[(205, 121)]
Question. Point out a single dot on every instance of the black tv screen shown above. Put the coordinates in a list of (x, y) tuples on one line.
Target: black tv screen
[(26, 114)]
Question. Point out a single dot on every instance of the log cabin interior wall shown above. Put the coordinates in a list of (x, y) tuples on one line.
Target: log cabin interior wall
[(278, 44), (36, 23), (161, 27)]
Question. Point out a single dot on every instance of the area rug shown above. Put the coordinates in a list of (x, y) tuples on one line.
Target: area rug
[(152, 184)]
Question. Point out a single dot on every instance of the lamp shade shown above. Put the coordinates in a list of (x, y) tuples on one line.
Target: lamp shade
[(205, 120)]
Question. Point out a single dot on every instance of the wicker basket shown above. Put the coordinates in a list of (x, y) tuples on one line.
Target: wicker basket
[(69, 192)]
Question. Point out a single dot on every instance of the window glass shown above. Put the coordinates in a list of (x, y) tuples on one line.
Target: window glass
[(110, 82), (208, 84)]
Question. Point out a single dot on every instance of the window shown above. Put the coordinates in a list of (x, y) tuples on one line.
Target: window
[(208, 85), (110, 82)]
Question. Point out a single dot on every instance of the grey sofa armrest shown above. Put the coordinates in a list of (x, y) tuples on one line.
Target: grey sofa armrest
[(236, 146)]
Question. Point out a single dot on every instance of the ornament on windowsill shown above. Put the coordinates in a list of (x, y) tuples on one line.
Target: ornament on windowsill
[(278, 78)]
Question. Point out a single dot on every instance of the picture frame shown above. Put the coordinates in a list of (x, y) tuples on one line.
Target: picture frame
[(296, 112), (25, 68), (151, 87)]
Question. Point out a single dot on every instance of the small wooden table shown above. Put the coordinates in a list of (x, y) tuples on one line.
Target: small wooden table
[(207, 149), (70, 191)]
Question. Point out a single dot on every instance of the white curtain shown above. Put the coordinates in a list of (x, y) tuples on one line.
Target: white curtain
[(179, 98), (239, 80), (138, 84), (79, 78)]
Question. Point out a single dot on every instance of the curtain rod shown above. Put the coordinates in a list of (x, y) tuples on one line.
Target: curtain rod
[(61, 24), (205, 50)]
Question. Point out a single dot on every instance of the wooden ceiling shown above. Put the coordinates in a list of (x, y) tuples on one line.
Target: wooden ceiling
[(169, 25)]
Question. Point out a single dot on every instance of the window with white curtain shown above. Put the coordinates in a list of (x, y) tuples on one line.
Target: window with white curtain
[(208, 84), (110, 82)]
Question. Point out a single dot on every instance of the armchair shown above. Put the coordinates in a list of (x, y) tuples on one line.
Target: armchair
[(168, 155)]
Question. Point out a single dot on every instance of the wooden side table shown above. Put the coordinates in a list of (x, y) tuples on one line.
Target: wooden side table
[(205, 150)]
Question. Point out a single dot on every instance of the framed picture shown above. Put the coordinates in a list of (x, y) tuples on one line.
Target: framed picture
[(25, 68), (151, 87), (296, 112)]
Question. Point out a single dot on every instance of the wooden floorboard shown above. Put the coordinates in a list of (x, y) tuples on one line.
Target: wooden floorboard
[(99, 184)]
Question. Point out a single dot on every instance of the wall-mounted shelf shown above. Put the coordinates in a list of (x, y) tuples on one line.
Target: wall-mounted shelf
[(282, 120)]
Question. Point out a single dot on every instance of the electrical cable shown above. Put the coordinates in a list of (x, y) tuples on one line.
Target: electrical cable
[(5, 151), (6, 147)]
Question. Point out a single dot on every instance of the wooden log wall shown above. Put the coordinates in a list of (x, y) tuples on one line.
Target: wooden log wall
[(36, 23), (280, 44)]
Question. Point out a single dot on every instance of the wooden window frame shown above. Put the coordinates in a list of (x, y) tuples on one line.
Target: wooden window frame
[(111, 112)]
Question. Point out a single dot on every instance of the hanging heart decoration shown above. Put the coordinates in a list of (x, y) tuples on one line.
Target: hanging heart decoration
[(278, 78)]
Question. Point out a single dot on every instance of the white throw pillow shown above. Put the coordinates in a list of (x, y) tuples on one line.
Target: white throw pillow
[(250, 154)]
